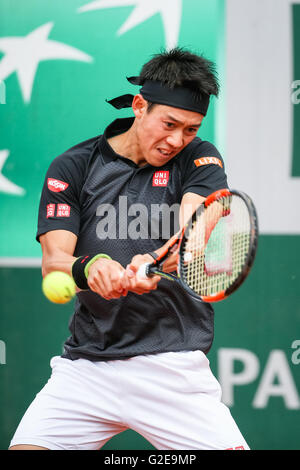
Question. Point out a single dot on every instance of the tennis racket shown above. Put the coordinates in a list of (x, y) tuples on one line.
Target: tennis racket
[(217, 247)]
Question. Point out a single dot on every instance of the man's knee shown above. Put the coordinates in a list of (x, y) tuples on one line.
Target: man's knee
[(26, 447)]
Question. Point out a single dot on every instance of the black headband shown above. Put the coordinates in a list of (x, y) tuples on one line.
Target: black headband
[(156, 92)]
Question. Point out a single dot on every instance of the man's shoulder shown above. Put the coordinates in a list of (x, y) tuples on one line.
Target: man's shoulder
[(78, 156), (196, 149), (73, 164), (81, 150), (198, 145)]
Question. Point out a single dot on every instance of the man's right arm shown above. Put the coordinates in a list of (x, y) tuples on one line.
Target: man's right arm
[(106, 277), (58, 247)]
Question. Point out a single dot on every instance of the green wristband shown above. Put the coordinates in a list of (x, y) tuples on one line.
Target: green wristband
[(87, 266)]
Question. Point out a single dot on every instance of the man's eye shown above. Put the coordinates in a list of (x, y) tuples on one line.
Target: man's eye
[(169, 124), (192, 130)]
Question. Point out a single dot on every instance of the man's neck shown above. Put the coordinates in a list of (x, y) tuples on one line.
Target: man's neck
[(126, 145)]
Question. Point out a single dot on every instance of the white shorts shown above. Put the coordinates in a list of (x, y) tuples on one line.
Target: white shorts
[(171, 399)]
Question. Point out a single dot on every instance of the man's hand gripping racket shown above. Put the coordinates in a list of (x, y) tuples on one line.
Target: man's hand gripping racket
[(217, 247)]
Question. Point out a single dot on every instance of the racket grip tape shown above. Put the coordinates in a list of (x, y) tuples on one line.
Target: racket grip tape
[(144, 271)]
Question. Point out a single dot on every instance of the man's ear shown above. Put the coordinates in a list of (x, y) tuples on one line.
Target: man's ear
[(139, 106)]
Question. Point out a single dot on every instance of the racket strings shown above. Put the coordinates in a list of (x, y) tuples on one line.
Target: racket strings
[(217, 246)]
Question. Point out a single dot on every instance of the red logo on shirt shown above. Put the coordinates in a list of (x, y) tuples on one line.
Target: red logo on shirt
[(63, 210), (160, 178), (50, 210), (56, 186), (208, 161)]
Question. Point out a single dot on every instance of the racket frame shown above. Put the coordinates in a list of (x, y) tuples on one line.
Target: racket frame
[(252, 244), (157, 266)]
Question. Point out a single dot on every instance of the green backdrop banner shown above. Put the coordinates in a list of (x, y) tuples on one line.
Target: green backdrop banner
[(59, 62)]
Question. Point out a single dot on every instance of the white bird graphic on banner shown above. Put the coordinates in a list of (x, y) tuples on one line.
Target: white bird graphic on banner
[(23, 54), (7, 186), (170, 11)]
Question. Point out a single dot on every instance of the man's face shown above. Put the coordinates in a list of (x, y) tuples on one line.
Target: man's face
[(164, 131)]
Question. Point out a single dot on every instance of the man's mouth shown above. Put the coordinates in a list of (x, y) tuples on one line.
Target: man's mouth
[(165, 153)]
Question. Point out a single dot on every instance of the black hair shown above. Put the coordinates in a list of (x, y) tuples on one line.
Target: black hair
[(180, 67)]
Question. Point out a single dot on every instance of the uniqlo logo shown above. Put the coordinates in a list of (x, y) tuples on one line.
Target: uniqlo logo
[(50, 210), (63, 210), (56, 185), (160, 178)]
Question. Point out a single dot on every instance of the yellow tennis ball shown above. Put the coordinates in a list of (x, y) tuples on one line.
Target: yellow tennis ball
[(58, 287)]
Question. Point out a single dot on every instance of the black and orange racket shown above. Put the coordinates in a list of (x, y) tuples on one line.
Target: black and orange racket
[(216, 248)]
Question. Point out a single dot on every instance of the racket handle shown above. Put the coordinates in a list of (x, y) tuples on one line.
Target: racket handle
[(143, 271)]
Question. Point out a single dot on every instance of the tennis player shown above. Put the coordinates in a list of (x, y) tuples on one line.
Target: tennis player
[(136, 356)]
